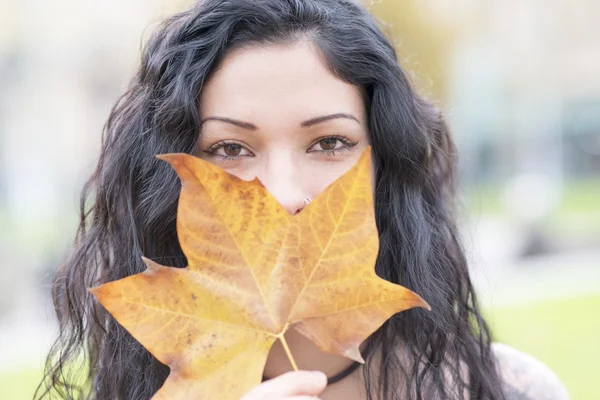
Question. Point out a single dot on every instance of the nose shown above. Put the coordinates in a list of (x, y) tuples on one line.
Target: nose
[(283, 178), (306, 201)]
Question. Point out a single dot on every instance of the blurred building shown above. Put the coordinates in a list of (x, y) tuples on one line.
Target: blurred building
[(525, 94)]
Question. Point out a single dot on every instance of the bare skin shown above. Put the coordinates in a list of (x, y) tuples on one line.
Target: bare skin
[(283, 92), (277, 113), (525, 378)]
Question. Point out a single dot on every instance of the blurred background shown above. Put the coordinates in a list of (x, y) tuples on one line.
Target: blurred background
[(519, 81)]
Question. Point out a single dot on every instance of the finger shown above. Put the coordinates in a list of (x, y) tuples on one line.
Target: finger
[(290, 384)]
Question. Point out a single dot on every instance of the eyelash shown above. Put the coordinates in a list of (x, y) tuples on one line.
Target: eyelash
[(348, 144)]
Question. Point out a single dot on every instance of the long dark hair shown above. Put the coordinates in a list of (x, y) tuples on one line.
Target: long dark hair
[(128, 206)]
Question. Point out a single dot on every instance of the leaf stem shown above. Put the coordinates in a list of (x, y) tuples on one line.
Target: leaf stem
[(288, 352)]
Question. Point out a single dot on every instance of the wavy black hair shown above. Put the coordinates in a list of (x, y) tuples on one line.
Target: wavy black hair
[(128, 206)]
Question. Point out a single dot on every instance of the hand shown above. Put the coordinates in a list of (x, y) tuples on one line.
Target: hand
[(294, 385)]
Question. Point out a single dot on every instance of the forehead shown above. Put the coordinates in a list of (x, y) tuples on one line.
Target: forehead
[(279, 81)]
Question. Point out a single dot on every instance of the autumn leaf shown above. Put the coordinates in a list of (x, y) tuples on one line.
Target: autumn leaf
[(254, 271)]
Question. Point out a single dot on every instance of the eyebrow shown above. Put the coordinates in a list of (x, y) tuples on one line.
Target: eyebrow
[(307, 123)]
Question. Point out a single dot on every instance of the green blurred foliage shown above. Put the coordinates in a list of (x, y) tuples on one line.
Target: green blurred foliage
[(19, 385), (577, 213), (422, 40), (563, 334)]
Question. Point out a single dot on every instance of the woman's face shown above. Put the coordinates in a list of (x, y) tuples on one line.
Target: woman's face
[(278, 114)]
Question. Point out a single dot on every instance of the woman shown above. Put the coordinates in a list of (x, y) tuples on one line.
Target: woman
[(291, 92)]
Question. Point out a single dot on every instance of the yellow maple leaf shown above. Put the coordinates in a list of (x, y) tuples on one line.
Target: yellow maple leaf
[(254, 271)]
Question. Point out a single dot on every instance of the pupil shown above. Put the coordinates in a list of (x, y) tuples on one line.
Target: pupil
[(328, 144), (232, 149)]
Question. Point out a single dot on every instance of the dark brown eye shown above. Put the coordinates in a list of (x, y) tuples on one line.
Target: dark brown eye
[(328, 143), (232, 149)]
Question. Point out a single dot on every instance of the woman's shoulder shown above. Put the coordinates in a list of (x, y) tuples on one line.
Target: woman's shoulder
[(526, 378)]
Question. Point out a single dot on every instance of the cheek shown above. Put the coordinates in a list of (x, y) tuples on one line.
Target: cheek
[(244, 168), (319, 175), (245, 171), (320, 178)]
